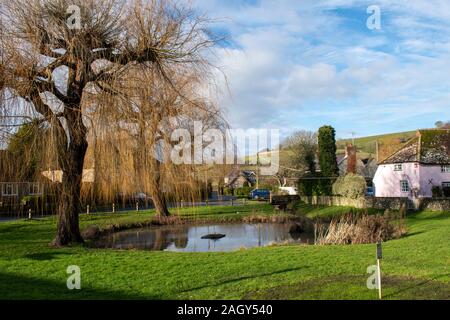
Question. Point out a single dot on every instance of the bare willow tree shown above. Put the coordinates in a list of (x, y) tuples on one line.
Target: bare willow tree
[(142, 135), (62, 59)]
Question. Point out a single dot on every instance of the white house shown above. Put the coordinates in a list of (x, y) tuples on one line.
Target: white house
[(413, 171)]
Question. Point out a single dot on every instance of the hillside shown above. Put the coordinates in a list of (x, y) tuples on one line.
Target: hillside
[(367, 147), (387, 144)]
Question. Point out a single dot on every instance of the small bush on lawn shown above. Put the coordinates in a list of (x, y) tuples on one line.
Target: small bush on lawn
[(315, 185), (446, 191), (350, 186), (437, 192), (243, 192), (228, 191)]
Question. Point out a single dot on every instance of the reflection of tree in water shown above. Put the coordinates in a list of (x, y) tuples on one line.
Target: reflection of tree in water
[(163, 238), (176, 237), (182, 240), (154, 239)]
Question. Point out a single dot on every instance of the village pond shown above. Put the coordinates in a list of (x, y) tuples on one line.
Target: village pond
[(191, 238)]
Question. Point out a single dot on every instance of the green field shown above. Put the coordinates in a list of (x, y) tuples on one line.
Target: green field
[(416, 266), (387, 144)]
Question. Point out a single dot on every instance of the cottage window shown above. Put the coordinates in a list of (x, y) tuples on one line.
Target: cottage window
[(445, 169), (34, 189), (398, 167), (404, 186), (445, 184), (10, 189)]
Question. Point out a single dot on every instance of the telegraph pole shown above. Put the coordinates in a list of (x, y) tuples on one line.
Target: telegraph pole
[(257, 170)]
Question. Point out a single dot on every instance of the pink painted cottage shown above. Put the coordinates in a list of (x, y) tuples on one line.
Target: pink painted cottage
[(421, 165)]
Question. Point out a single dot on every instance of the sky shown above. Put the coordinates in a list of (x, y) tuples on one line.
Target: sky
[(300, 64)]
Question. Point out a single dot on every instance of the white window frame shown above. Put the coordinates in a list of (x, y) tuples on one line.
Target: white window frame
[(445, 168), (404, 189), (31, 189), (446, 184), (398, 167), (15, 189)]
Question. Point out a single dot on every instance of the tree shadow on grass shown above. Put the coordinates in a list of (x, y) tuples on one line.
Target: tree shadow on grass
[(15, 287), (412, 234), (417, 287), (43, 256), (243, 278), (437, 216), (354, 287)]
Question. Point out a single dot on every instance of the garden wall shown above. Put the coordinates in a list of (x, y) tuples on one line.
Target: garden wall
[(367, 202), (432, 204), (435, 204)]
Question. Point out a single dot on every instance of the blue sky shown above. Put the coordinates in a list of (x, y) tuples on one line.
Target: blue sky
[(301, 64)]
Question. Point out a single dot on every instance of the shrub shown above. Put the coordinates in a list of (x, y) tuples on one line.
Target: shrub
[(31, 200), (437, 192), (228, 191), (350, 186), (315, 185), (446, 191), (243, 192)]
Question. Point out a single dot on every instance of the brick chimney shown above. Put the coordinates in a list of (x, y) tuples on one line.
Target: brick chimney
[(350, 153)]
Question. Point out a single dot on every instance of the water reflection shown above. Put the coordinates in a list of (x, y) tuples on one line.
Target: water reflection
[(188, 238)]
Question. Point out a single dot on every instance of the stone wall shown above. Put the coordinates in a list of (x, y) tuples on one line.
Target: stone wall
[(384, 203), (334, 201), (431, 204), (361, 203)]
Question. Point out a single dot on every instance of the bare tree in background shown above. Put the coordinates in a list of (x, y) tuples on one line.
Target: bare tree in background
[(60, 69), (299, 154)]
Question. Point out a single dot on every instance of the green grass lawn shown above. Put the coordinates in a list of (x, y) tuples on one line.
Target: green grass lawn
[(416, 266)]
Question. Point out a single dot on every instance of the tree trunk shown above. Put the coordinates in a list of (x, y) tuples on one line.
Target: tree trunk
[(69, 206), (158, 197), (160, 203)]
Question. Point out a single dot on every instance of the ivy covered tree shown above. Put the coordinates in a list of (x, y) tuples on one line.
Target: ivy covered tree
[(327, 157), (327, 152)]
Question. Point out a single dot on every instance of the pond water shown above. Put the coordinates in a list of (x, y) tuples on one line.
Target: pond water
[(188, 238)]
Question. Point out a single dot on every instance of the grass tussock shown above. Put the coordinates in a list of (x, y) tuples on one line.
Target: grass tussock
[(361, 229)]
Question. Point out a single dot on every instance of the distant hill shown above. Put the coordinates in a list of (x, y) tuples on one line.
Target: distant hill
[(387, 144), (366, 146)]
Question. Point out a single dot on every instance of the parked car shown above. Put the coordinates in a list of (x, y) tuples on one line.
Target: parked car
[(370, 192), (260, 194)]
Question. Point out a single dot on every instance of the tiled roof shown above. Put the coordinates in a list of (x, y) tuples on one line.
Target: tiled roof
[(428, 147)]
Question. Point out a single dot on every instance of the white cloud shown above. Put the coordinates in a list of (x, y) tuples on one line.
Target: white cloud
[(295, 64)]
